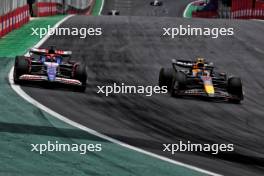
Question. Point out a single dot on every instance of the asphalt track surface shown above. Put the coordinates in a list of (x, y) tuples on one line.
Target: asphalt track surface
[(131, 51), (173, 8)]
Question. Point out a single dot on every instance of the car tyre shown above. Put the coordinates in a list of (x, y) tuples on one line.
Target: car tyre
[(81, 75), (20, 68), (165, 77), (234, 87), (178, 84)]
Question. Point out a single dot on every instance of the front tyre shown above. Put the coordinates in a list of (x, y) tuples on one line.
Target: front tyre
[(179, 83), (234, 87), (20, 68), (81, 75), (165, 77)]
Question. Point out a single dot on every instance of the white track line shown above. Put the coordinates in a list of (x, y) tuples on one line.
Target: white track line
[(34, 102), (102, 6), (187, 7), (258, 20), (185, 10)]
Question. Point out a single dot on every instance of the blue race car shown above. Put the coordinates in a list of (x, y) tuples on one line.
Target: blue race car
[(50, 65)]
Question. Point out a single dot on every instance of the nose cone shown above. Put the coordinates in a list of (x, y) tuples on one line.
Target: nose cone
[(51, 70), (209, 89), (211, 95)]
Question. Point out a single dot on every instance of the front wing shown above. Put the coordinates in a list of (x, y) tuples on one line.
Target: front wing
[(28, 77), (219, 94)]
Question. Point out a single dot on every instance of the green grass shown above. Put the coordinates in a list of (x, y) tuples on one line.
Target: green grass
[(18, 41)]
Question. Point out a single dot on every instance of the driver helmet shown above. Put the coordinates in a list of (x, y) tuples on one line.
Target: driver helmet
[(52, 50), (200, 62), (51, 57)]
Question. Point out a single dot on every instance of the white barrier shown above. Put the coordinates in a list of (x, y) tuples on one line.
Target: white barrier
[(52, 7), (10, 5), (13, 14), (78, 4)]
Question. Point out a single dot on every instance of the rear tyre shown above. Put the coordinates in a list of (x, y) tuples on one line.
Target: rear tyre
[(165, 77), (20, 68), (81, 75), (234, 87)]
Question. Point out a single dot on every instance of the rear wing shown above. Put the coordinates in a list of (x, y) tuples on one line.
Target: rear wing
[(189, 64), (39, 51), (183, 63)]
